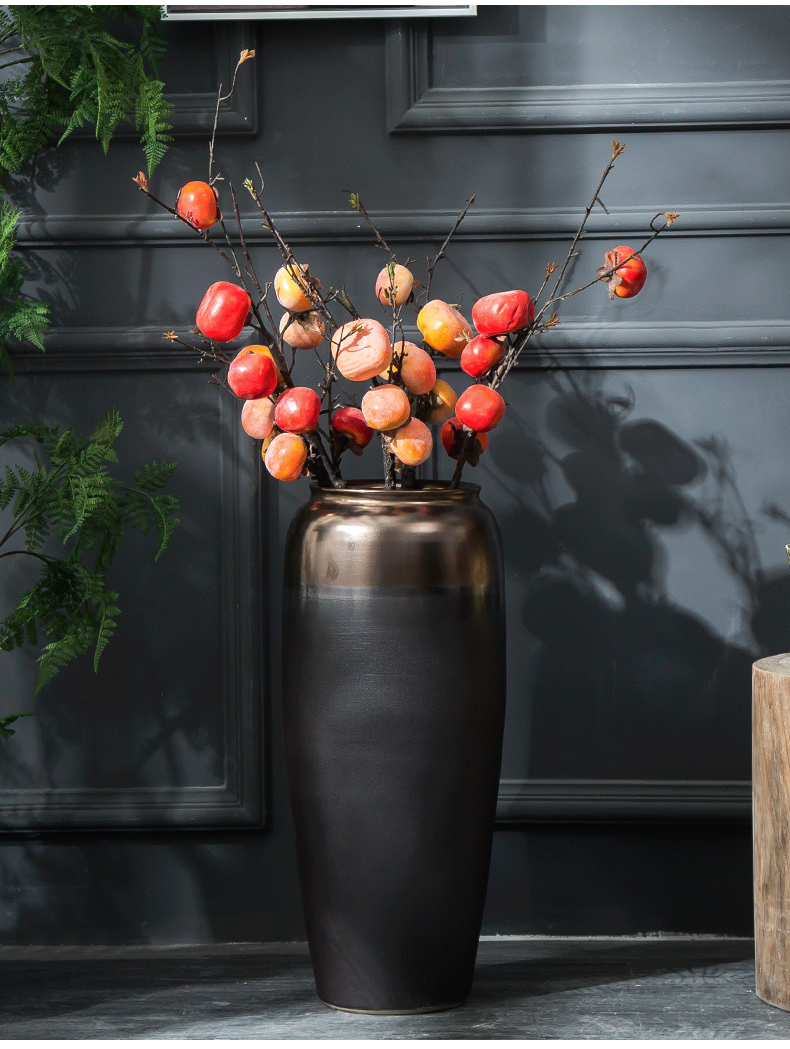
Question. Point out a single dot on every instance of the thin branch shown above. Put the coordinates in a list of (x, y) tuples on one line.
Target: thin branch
[(142, 182), (304, 282), (447, 239), (340, 296), (30, 553), (243, 57), (359, 207), (16, 61), (603, 274), (617, 149), (249, 268)]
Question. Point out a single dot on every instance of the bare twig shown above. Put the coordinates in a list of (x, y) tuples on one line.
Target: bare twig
[(617, 149), (447, 239), (358, 206), (243, 57)]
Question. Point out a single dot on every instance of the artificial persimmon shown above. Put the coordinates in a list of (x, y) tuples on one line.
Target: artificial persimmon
[(480, 408), (414, 366), (453, 436), (223, 312), (627, 279), (394, 289), (412, 443), (257, 417), (285, 457), (297, 410), (252, 375), (444, 328), (350, 423), (503, 312), (481, 355), (197, 203), (361, 349), (304, 332), (386, 407), (441, 403), (256, 348), (290, 287)]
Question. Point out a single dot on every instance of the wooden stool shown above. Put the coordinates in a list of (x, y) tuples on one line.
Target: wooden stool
[(771, 815)]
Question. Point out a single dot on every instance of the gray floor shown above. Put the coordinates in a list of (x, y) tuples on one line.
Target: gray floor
[(528, 988)]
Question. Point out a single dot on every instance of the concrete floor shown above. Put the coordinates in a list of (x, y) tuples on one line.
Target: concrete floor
[(524, 988)]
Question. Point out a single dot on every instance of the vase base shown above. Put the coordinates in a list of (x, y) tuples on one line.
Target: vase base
[(396, 1012)]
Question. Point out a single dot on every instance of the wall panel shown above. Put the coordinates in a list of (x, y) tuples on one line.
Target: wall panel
[(168, 733), (629, 764)]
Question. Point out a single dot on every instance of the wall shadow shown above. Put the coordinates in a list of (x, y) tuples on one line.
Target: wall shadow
[(610, 508)]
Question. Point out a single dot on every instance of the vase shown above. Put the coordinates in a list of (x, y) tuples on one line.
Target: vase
[(394, 704)]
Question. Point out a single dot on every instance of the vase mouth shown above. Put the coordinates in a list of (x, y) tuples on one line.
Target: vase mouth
[(373, 489)]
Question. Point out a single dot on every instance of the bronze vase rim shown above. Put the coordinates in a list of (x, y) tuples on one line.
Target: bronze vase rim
[(375, 489)]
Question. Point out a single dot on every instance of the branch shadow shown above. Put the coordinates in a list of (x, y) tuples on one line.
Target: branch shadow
[(625, 681)]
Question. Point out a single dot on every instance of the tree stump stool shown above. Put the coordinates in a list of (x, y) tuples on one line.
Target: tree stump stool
[(771, 827)]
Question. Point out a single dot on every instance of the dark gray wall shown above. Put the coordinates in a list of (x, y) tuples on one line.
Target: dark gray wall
[(639, 476)]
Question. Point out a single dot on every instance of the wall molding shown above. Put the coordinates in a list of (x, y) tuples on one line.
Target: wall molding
[(623, 801), (414, 105), (239, 801), (345, 226), (646, 344), (572, 344), (110, 350), (194, 111)]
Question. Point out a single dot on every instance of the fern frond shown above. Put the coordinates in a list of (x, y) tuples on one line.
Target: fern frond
[(9, 719), (74, 497)]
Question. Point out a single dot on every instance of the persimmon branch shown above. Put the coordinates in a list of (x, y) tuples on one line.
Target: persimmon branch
[(243, 57), (357, 205), (617, 150), (440, 255), (603, 274), (539, 326), (273, 338), (293, 267), (142, 182)]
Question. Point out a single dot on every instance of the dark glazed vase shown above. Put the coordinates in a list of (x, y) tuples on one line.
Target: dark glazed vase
[(394, 701)]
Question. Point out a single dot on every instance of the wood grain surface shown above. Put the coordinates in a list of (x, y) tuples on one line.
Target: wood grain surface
[(771, 814)]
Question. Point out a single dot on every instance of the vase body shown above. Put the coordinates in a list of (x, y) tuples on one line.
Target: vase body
[(394, 702)]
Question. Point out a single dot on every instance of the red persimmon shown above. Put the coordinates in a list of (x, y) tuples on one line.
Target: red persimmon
[(629, 278), (351, 423), (252, 375), (197, 203), (481, 354), (480, 408), (223, 312), (297, 410), (503, 312)]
